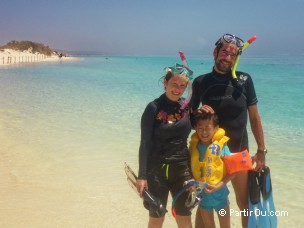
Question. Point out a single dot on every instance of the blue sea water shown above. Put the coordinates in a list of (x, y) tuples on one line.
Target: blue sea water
[(82, 118)]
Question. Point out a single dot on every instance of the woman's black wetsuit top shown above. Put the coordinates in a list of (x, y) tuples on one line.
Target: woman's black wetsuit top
[(229, 101), (164, 132)]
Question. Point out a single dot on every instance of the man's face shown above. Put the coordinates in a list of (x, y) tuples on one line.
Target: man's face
[(225, 58)]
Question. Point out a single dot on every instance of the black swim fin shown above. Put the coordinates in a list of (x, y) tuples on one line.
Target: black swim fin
[(151, 203), (254, 198), (261, 205)]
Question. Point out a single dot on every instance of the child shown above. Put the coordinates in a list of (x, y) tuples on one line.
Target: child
[(207, 147)]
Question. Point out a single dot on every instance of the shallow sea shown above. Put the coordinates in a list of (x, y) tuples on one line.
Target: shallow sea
[(67, 128)]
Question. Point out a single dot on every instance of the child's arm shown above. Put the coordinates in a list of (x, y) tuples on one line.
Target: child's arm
[(213, 188)]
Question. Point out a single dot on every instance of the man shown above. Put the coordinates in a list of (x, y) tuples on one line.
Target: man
[(231, 99)]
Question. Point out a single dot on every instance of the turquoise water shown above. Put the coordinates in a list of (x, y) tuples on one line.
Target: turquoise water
[(80, 121)]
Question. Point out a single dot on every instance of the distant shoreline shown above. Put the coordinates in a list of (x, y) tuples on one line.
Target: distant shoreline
[(9, 57)]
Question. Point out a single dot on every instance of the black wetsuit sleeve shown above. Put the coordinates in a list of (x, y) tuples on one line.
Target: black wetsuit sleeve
[(195, 98), (251, 95), (147, 124)]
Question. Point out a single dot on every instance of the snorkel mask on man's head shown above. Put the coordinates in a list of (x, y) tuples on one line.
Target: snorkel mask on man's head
[(239, 43), (181, 70), (230, 39)]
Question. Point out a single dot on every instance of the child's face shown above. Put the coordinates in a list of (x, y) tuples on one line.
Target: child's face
[(205, 131)]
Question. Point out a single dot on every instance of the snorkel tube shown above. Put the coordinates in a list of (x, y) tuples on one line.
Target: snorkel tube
[(185, 64), (251, 40)]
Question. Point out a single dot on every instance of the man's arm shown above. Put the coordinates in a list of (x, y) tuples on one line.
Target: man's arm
[(257, 130), (195, 98)]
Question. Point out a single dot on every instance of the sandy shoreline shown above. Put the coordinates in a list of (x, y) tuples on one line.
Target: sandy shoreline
[(9, 57), (64, 141)]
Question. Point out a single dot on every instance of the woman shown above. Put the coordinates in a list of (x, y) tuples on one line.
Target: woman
[(163, 153)]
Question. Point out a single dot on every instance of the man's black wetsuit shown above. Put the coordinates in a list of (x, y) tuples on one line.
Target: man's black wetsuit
[(163, 153), (229, 100)]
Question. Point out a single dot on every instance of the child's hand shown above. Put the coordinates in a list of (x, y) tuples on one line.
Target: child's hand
[(213, 188)]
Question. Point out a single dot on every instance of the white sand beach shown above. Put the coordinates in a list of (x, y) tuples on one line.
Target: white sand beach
[(67, 128)]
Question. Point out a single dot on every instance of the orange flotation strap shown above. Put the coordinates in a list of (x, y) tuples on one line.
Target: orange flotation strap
[(238, 162)]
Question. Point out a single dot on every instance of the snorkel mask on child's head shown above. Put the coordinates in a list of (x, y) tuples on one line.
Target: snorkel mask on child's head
[(181, 70)]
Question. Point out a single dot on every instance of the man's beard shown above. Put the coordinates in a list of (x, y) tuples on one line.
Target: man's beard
[(220, 67)]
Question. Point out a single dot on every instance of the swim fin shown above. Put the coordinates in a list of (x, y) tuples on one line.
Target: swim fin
[(254, 198), (261, 205), (268, 204), (150, 202)]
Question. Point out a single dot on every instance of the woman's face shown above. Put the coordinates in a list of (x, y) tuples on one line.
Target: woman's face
[(175, 87), (205, 130)]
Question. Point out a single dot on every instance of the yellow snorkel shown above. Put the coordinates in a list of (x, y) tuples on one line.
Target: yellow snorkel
[(251, 40)]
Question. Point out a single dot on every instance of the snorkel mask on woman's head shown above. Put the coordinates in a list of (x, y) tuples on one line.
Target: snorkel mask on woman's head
[(183, 71), (180, 69)]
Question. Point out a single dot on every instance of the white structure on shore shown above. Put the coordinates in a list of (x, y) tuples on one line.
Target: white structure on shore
[(9, 57)]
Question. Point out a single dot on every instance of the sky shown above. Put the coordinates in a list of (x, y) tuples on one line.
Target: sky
[(154, 27)]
